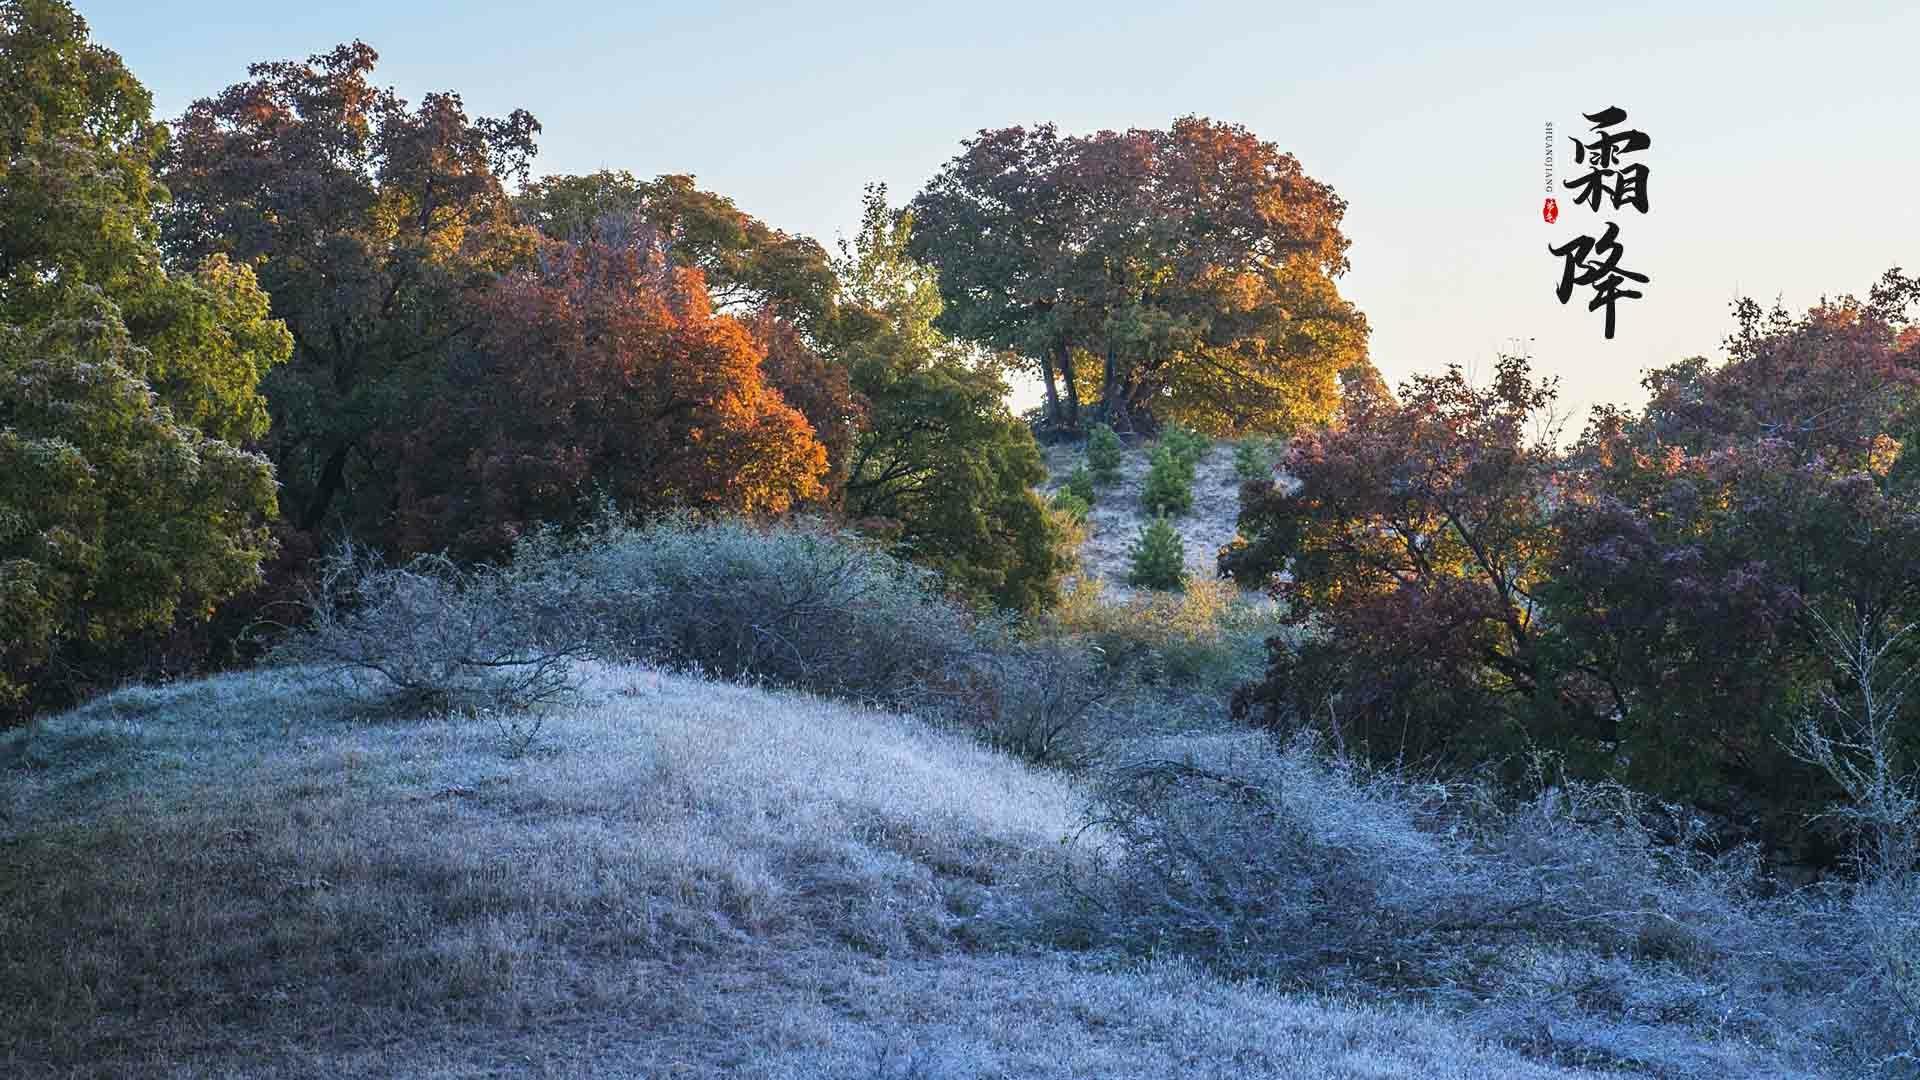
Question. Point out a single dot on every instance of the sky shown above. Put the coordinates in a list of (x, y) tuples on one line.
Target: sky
[(1782, 164)]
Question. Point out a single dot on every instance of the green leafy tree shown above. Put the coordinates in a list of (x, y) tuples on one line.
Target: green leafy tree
[(1157, 558), (124, 500), (942, 466), (1103, 455)]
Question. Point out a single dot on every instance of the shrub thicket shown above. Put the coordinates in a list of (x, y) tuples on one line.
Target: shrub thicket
[(796, 605), (1286, 864)]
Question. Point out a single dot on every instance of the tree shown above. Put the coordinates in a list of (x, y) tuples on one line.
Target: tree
[(1157, 559), (942, 465), (602, 374), (1715, 546), (375, 227), (749, 267), (1416, 541), (124, 501), (1195, 263)]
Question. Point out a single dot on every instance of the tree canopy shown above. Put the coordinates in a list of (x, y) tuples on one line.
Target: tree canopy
[(374, 226), (942, 466), (1193, 266), (125, 500)]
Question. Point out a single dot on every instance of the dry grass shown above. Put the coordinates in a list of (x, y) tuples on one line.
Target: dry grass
[(245, 877)]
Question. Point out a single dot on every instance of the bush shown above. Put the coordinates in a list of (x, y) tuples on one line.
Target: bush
[(433, 636), (1188, 447), (1072, 505), (1169, 486), (797, 605), (1159, 557), (1040, 700), (1080, 483), (1253, 459), (1103, 455)]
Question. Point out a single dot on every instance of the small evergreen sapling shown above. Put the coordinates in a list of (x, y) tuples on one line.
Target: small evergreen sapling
[(1169, 487), (1159, 557), (1188, 447), (1080, 484), (1253, 459), (1103, 455)]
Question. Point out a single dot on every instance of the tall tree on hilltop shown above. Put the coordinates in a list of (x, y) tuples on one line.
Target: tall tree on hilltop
[(374, 226), (1194, 265)]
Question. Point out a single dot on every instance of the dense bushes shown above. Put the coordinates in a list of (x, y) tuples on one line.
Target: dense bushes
[(1649, 603), (798, 606)]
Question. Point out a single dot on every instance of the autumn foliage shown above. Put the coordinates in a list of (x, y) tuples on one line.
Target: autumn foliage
[(603, 374), (1656, 604)]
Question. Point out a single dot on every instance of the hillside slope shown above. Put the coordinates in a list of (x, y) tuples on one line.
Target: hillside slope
[(244, 877), (1117, 515)]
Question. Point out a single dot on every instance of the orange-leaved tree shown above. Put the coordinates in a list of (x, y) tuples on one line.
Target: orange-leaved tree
[(601, 374)]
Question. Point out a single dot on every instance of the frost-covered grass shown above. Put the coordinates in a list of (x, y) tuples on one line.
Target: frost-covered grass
[(254, 876)]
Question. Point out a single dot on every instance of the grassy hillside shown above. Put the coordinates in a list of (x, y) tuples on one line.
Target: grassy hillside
[(248, 877)]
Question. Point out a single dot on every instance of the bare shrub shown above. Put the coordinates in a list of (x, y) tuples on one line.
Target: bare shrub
[(1854, 738), (1581, 923), (1045, 701), (430, 635)]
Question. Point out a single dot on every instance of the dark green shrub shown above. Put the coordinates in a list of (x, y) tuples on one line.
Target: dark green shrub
[(1072, 504), (1253, 459), (1169, 486), (1080, 483), (1103, 455), (1188, 447), (1159, 557)]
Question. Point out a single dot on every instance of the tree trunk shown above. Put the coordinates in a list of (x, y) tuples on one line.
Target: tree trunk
[(1063, 352), (1053, 393), (1113, 403), (332, 475)]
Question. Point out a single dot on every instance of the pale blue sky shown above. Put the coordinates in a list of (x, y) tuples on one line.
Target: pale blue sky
[(1783, 163)]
